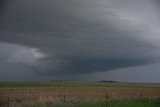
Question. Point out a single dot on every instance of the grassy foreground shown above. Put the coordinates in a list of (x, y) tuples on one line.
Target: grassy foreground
[(124, 103), (111, 103), (79, 94)]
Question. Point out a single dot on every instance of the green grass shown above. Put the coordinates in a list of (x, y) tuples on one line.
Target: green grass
[(114, 103), (75, 84), (124, 103), (111, 103)]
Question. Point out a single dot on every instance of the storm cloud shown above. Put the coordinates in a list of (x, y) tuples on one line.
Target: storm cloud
[(72, 37)]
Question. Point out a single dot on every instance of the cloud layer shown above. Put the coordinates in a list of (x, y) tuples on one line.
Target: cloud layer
[(69, 37)]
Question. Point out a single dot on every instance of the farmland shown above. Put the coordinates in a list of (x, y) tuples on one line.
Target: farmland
[(77, 93)]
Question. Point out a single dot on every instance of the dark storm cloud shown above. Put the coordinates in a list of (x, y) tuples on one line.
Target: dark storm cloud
[(89, 65), (157, 2), (77, 37), (42, 16), (3, 4)]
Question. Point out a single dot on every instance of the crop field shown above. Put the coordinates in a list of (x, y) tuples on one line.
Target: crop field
[(79, 94)]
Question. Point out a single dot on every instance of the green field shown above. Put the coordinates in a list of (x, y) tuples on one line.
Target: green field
[(124, 103), (76, 84), (112, 103), (79, 94)]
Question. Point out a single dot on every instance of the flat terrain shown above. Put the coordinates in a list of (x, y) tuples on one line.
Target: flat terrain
[(68, 92)]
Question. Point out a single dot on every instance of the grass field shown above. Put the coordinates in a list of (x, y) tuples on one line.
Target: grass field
[(79, 94)]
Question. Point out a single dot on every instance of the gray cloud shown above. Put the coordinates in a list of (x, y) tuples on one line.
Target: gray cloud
[(59, 37)]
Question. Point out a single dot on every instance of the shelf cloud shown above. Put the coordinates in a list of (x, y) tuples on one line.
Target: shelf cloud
[(77, 37)]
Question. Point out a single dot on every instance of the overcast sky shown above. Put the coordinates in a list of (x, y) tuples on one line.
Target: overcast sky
[(80, 40)]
